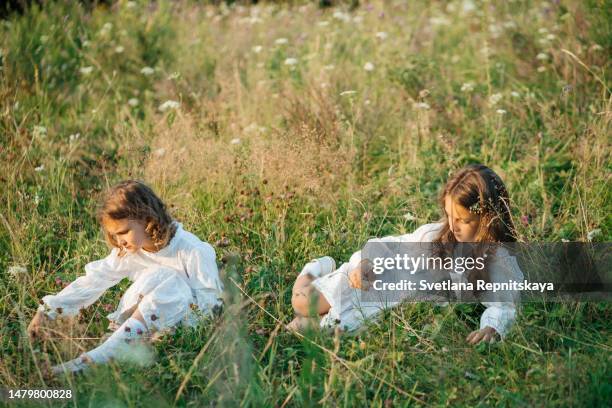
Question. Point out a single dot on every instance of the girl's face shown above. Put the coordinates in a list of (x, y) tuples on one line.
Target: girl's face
[(462, 222), (129, 234)]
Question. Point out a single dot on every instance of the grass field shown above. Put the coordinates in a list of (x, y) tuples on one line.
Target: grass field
[(281, 133)]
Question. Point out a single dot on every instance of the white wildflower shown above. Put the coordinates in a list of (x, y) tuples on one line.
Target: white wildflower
[(381, 35), (39, 168), (421, 106), (147, 71), (39, 131), (368, 66), (338, 15), (257, 49), (323, 23), (468, 6), (235, 141), (515, 94), (495, 98), (501, 112), (160, 152), (17, 270), (542, 56), (593, 234), (131, 4), (467, 87), (543, 30), (74, 137), (281, 41), (291, 61), (409, 217), (133, 102), (251, 128), (106, 29), (495, 30), (168, 105), (439, 21), (37, 199), (565, 240), (86, 70), (119, 49), (350, 92), (541, 69), (550, 37)]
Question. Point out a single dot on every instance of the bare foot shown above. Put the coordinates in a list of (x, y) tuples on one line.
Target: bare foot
[(301, 324)]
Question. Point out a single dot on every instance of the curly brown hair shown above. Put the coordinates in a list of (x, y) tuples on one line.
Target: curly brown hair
[(134, 200), (480, 190)]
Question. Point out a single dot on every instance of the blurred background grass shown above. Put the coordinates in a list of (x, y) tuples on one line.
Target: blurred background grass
[(283, 132)]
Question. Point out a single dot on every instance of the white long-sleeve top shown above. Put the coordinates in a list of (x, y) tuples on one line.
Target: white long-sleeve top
[(193, 259), (501, 309)]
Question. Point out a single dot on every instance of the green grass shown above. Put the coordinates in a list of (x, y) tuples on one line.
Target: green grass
[(290, 162)]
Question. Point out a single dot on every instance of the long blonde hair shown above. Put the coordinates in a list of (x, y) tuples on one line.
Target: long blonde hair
[(134, 200)]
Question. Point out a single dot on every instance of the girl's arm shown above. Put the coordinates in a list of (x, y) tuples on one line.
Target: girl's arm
[(500, 312), (201, 266), (499, 316), (85, 290)]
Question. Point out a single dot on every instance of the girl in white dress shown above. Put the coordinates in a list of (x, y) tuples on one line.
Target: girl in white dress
[(476, 210), (175, 275)]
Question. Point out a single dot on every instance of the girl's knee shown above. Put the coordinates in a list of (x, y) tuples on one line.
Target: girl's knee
[(299, 301), (306, 301), (302, 299)]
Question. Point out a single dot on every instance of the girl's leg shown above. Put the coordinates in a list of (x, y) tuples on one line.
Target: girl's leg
[(305, 297), (163, 301), (307, 303), (113, 347)]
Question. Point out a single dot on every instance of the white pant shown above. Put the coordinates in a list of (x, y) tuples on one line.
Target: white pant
[(163, 298)]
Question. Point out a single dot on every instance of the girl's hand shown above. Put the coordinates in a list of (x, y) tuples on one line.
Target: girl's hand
[(488, 334), (36, 328), (357, 275)]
